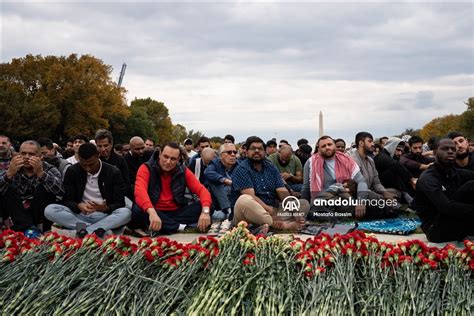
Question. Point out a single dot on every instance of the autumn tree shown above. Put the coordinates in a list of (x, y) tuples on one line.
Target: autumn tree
[(467, 119), (57, 97), (440, 126), (179, 133)]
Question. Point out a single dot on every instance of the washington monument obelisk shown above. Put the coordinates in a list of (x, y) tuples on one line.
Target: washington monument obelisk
[(321, 130)]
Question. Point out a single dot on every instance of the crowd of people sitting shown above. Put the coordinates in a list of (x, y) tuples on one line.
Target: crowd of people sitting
[(94, 187)]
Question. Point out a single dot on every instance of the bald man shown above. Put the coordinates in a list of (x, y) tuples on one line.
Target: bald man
[(207, 154), (289, 166), (136, 157)]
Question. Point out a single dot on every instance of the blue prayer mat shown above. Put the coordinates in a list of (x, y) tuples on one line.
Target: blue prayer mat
[(394, 226)]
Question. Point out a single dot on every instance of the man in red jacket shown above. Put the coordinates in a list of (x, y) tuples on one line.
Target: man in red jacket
[(160, 199)]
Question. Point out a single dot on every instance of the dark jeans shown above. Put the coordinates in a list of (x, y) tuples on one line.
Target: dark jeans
[(170, 219), (24, 218), (445, 228)]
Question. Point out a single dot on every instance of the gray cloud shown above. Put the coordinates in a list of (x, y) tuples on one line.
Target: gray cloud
[(265, 64)]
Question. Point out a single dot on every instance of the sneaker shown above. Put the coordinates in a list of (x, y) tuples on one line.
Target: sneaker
[(215, 227), (225, 227), (32, 233), (100, 232), (81, 230)]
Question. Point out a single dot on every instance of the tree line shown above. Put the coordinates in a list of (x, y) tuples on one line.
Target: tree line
[(58, 97)]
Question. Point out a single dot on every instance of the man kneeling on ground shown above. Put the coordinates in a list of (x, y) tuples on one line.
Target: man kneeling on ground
[(160, 199), (94, 201), (444, 197)]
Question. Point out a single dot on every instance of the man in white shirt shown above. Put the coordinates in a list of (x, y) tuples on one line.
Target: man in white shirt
[(94, 197)]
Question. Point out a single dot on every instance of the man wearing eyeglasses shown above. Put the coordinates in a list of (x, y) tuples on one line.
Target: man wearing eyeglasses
[(219, 179), (160, 199), (258, 189)]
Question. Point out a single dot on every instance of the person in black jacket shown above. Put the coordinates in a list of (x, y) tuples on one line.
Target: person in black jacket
[(464, 158), (444, 197), (105, 144), (414, 161), (392, 173), (94, 196), (135, 158)]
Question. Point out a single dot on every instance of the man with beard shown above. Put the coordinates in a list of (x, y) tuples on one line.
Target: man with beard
[(289, 166), (329, 169), (414, 161), (444, 197), (105, 144), (135, 158), (258, 189), (376, 191), (391, 172), (464, 158), (27, 187), (6, 153)]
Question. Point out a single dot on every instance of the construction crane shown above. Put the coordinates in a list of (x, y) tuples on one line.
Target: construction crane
[(122, 73)]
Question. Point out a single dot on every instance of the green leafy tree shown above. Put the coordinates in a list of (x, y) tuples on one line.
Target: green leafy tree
[(158, 114), (138, 124), (467, 119), (57, 97)]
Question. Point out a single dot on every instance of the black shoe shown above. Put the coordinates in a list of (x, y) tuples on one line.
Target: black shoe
[(81, 230), (100, 232)]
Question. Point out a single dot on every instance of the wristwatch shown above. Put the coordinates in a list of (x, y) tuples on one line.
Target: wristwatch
[(205, 210)]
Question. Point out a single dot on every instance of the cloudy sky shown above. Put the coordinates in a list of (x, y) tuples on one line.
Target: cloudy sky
[(264, 68)]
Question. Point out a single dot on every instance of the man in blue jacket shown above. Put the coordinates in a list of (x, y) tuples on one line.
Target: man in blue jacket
[(219, 178)]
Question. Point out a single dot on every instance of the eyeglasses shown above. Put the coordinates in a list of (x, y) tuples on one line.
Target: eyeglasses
[(230, 152), (256, 148)]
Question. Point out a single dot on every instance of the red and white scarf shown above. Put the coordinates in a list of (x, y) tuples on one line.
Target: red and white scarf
[(345, 168)]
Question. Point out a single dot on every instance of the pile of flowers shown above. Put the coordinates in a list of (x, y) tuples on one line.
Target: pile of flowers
[(237, 274)]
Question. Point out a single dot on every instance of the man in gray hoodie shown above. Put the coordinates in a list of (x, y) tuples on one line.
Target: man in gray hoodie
[(392, 173)]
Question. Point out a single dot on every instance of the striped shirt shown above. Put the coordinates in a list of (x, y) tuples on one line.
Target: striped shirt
[(25, 185)]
